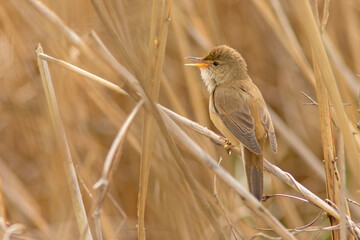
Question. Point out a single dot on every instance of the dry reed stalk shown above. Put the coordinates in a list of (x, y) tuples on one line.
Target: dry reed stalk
[(332, 174), (74, 188), (343, 203), (153, 86), (146, 143)]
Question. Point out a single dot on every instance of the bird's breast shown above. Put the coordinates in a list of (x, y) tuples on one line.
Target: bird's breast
[(208, 79)]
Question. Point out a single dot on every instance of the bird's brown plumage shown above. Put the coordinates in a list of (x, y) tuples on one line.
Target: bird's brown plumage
[(237, 109)]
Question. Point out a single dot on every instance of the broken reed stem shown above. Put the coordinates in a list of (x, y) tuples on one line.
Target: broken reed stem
[(71, 177), (332, 174), (153, 86), (110, 165), (84, 73)]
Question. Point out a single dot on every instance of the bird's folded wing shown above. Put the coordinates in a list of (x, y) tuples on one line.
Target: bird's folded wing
[(266, 120), (231, 107)]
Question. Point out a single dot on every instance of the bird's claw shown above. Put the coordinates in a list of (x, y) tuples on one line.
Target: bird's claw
[(228, 146)]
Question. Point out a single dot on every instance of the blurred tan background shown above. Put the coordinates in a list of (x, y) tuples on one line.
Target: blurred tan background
[(266, 33)]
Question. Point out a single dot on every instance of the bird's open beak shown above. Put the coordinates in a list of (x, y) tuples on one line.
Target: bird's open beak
[(200, 64)]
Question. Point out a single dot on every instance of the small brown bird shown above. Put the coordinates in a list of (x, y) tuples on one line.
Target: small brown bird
[(238, 109)]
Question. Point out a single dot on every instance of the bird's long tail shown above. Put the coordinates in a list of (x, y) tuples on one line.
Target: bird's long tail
[(254, 172)]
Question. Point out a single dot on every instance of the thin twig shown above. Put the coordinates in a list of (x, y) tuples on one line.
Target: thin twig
[(315, 229), (353, 202), (265, 236), (313, 102), (266, 197), (310, 223), (298, 228)]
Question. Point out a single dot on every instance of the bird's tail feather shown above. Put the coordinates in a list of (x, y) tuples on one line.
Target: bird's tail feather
[(254, 172)]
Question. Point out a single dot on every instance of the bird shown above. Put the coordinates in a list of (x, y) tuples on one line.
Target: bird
[(237, 109)]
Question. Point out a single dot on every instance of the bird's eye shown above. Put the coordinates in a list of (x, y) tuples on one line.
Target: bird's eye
[(216, 63)]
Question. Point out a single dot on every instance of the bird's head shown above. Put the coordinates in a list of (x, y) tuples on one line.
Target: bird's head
[(221, 64)]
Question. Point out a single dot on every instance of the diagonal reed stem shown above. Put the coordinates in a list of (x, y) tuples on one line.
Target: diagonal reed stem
[(110, 165), (71, 177)]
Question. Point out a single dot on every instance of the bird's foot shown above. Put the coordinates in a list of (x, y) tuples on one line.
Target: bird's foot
[(228, 146)]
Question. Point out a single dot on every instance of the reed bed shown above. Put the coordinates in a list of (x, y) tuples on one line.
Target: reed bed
[(105, 134)]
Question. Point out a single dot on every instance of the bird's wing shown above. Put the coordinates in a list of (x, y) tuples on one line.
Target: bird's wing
[(268, 125), (230, 106)]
